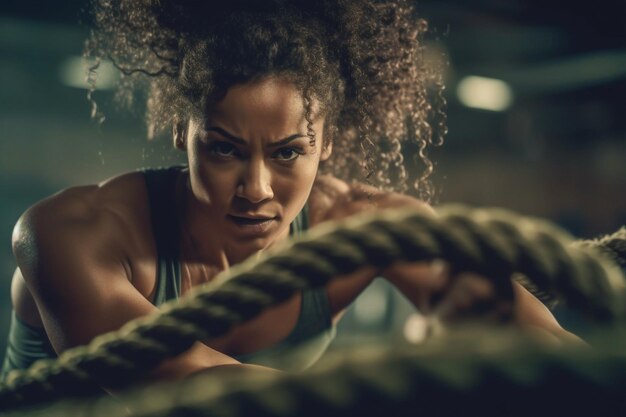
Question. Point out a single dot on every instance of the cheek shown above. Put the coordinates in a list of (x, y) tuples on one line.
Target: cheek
[(212, 183), (293, 189)]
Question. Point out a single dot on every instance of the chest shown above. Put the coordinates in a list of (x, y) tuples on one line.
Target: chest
[(268, 329)]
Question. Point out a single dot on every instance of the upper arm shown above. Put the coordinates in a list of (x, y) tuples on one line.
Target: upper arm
[(332, 200), (73, 264), (23, 304)]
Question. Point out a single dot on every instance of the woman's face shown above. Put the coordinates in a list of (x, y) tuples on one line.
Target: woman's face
[(251, 164)]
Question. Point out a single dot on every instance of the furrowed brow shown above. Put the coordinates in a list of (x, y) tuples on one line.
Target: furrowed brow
[(227, 135), (241, 141), (286, 140)]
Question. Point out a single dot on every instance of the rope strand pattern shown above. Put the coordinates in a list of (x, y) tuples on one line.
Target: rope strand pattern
[(493, 243), (485, 372)]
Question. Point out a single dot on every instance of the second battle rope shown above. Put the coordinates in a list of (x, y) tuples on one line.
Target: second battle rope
[(477, 372), (493, 243)]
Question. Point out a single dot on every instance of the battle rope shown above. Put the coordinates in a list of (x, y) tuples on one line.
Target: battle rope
[(492, 243), (484, 372), (612, 246)]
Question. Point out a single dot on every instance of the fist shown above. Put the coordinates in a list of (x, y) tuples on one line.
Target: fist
[(450, 298)]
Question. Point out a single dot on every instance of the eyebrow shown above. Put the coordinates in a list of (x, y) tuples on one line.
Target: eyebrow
[(240, 141)]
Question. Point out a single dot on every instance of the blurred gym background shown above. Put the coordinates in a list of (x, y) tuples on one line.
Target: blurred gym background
[(536, 115)]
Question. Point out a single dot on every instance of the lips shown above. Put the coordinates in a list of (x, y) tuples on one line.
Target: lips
[(251, 219), (252, 224)]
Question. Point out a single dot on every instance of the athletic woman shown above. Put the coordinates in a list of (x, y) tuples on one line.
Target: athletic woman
[(291, 113)]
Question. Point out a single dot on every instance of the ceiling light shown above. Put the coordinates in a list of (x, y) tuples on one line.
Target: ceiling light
[(73, 73), (484, 93)]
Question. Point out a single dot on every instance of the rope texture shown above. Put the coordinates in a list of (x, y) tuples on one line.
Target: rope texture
[(484, 373), (493, 243), (612, 246)]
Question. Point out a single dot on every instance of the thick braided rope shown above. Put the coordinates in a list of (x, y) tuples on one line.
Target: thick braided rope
[(493, 243), (478, 373), (613, 246)]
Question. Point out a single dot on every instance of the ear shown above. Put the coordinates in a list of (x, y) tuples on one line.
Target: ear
[(179, 134), (327, 149)]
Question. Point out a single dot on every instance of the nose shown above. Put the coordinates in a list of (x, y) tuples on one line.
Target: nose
[(255, 184)]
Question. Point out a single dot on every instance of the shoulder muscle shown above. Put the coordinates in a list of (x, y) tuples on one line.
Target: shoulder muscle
[(72, 257), (333, 199)]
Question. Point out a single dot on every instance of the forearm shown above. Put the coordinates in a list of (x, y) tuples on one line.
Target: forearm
[(197, 359), (533, 316), (455, 299), (418, 281), (200, 359)]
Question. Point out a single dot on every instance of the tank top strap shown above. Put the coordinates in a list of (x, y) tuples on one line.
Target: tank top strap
[(301, 223), (161, 186)]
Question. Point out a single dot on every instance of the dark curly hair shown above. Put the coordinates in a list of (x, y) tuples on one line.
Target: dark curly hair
[(362, 60)]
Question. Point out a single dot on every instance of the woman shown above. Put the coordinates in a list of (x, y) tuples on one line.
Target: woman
[(273, 102)]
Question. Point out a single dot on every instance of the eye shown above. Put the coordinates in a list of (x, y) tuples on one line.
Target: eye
[(223, 149), (287, 154)]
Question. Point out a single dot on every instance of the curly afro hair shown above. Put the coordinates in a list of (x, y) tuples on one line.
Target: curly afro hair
[(363, 61)]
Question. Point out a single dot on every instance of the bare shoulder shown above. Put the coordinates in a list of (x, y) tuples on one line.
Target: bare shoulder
[(78, 252), (326, 191), (334, 199), (79, 219)]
